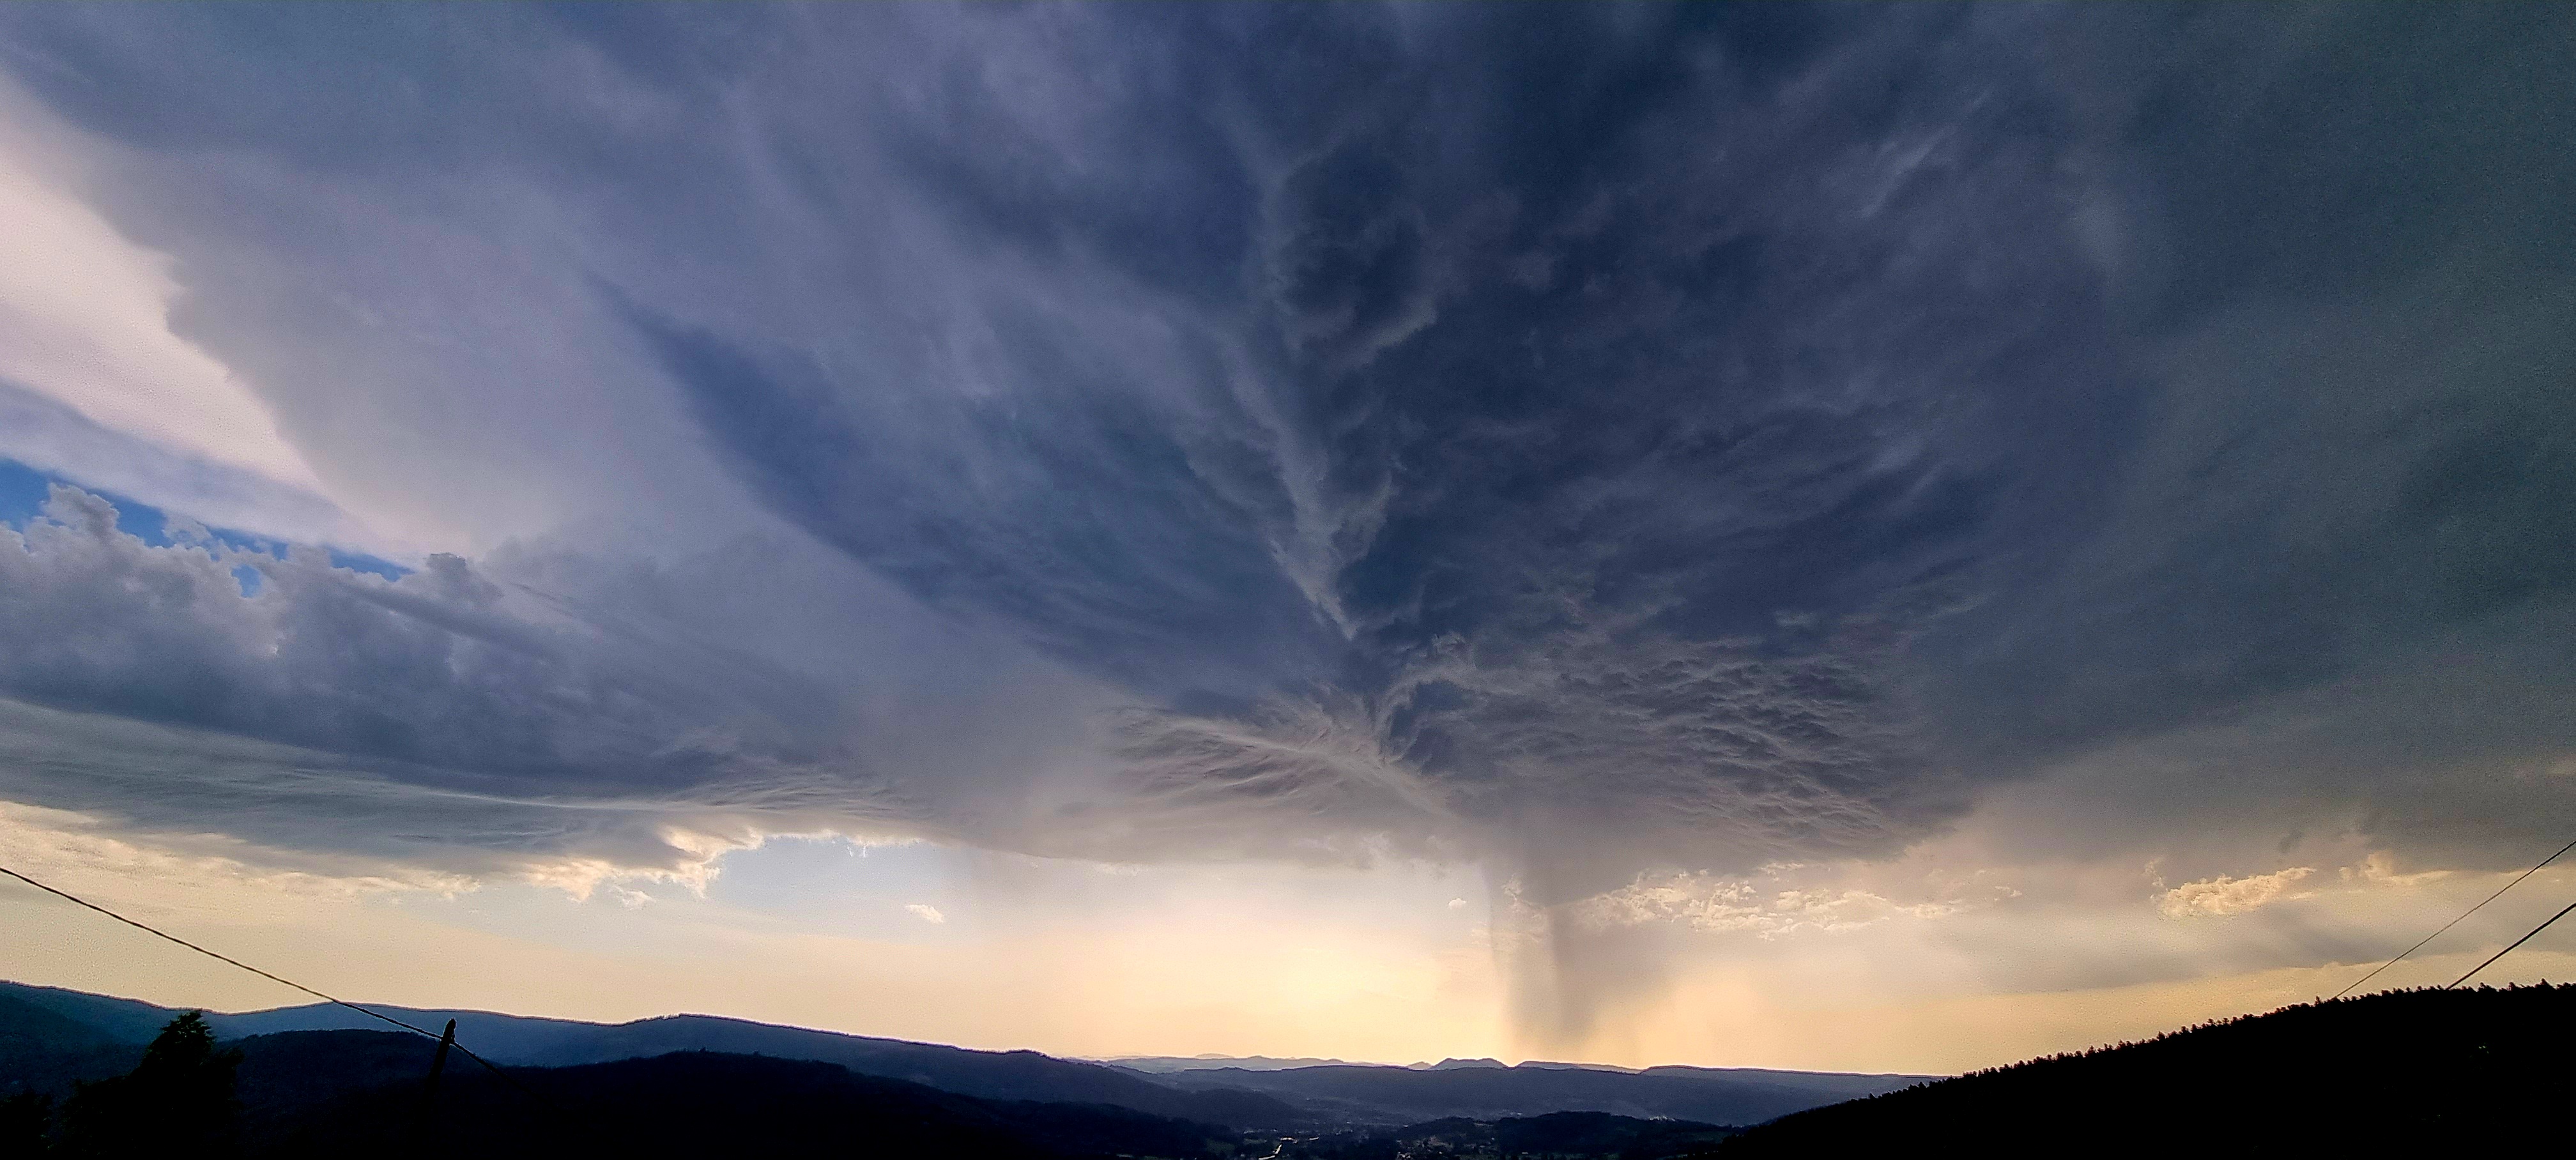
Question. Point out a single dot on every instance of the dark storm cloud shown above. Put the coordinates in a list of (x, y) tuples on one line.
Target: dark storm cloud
[(430, 706), (1587, 440), (1593, 437)]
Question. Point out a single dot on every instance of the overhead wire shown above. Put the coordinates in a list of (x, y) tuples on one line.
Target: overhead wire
[(2419, 943), (76, 900), (513, 1081), (2509, 950)]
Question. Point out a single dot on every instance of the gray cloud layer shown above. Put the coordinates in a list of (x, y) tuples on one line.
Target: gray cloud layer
[(372, 700), (1592, 438)]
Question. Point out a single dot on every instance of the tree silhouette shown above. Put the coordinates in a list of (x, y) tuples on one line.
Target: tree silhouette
[(2431, 1072), (26, 1120), (178, 1102)]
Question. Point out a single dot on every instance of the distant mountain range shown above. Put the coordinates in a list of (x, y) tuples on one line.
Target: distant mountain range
[(50, 1036), (536, 1042), (1162, 1064)]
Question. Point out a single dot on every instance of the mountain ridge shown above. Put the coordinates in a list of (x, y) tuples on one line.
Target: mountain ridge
[(344, 1093), (1284, 1098), (2432, 1072)]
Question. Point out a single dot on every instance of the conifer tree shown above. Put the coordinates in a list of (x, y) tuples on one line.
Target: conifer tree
[(177, 1103)]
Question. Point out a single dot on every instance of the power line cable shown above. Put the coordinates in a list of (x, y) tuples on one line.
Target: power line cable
[(217, 955), (2419, 943), (2509, 950)]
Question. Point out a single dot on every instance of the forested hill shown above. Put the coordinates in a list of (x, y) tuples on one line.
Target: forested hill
[(1352, 1094), (710, 1103), (50, 1037), (2377, 1075)]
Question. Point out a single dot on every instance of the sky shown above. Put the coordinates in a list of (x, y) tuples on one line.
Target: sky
[(1829, 536)]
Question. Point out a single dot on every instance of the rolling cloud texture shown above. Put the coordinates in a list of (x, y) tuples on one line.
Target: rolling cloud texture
[(1587, 438)]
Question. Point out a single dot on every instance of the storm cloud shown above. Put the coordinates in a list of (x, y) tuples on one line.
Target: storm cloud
[(1587, 439)]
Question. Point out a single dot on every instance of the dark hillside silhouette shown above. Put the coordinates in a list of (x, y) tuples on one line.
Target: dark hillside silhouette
[(2428, 1072), (26, 1124), (708, 1103), (1549, 1137), (178, 1102), (360, 1093), (51, 1063), (43, 1051), (2424, 1072), (1357, 1094), (284, 1077), (992, 1075)]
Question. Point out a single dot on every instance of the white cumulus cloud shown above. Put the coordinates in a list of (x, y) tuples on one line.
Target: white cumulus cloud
[(2224, 895)]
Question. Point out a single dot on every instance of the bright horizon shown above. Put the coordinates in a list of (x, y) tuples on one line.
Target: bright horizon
[(1854, 538)]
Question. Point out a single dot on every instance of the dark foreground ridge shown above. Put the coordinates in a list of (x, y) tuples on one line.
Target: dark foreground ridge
[(2413, 1072), (1356, 1094), (711, 1103), (309, 1095), (1556, 1136), (2424, 1072), (314, 1094)]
